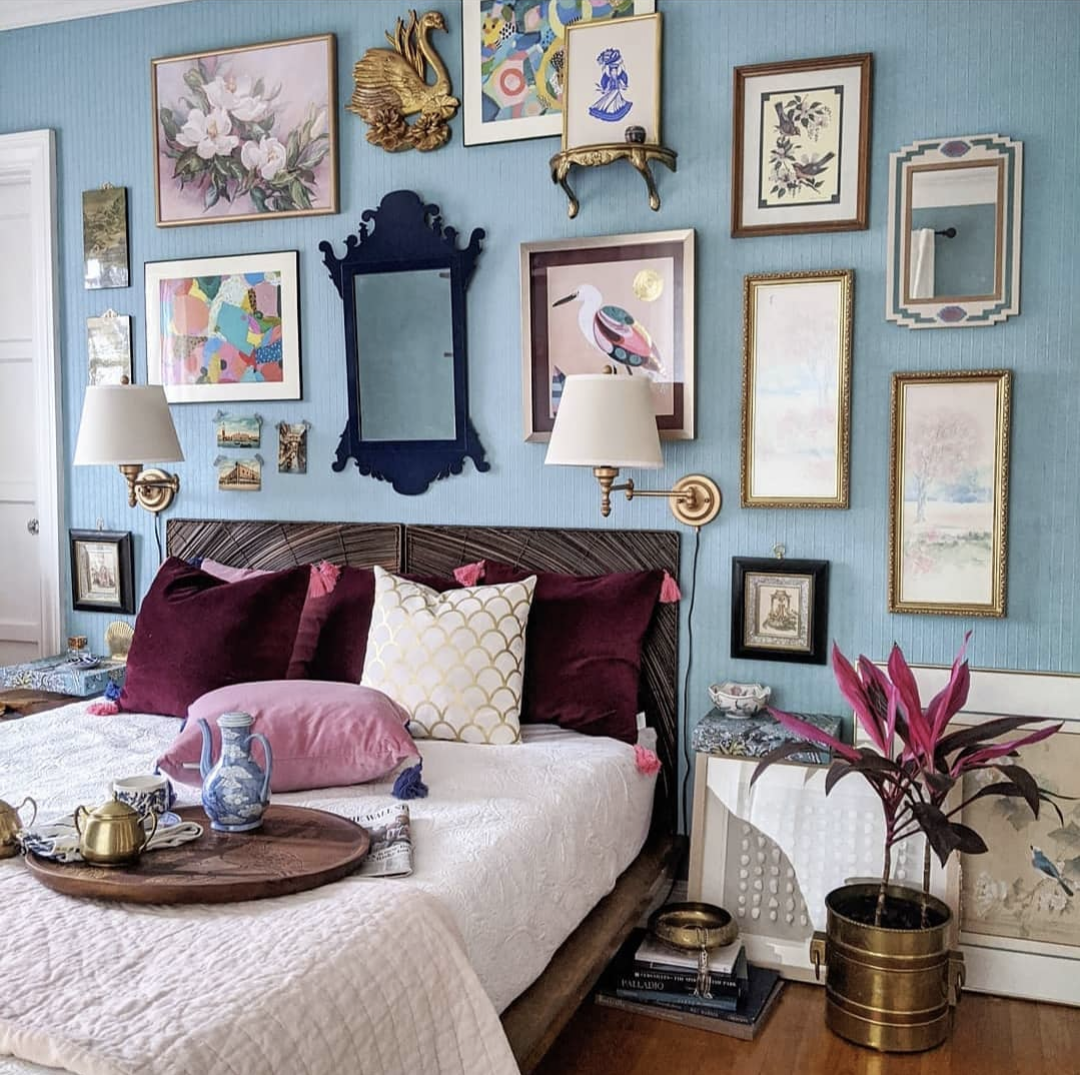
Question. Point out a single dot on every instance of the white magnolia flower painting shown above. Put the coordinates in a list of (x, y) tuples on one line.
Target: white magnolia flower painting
[(246, 133)]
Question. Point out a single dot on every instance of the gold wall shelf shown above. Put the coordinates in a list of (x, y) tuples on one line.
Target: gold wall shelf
[(638, 154)]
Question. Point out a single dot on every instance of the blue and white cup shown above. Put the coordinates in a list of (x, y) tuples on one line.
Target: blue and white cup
[(147, 794)]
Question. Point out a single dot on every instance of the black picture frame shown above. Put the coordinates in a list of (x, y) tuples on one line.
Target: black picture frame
[(121, 560), (806, 646)]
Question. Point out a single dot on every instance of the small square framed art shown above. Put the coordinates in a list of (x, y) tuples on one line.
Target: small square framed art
[(779, 609), (102, 571)]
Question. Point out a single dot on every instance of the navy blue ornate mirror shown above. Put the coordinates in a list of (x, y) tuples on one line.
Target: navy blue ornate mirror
[(402, 284)]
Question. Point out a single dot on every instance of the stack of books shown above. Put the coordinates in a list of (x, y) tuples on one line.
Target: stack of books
[(649, 978)]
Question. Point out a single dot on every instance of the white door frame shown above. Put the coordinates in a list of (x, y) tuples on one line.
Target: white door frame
[(30, 156)]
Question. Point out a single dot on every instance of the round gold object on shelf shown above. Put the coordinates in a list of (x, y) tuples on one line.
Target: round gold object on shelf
[(693, 926)]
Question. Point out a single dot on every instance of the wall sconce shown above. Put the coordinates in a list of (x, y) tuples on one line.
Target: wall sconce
[(121, 423), (607, 421)]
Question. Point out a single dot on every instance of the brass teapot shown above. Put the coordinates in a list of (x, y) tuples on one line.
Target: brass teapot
[(113, 834), (10, 824)]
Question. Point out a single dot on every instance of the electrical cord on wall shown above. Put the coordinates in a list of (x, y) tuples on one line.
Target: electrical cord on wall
[(157, 536), (685, 730)]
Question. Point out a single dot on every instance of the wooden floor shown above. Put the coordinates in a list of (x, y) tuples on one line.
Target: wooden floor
[(992, 1036)]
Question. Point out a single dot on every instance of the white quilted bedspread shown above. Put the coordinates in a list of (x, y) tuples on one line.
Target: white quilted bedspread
[(514, 846)]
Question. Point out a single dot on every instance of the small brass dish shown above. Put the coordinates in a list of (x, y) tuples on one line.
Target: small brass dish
[(695, 927)]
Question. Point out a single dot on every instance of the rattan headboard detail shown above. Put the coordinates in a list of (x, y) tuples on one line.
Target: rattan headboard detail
[(437, 550)]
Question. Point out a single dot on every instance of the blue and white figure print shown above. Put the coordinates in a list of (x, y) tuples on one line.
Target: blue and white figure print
[(611, 105)]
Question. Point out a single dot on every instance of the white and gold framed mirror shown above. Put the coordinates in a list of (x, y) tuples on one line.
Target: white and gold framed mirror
[(954, 232)]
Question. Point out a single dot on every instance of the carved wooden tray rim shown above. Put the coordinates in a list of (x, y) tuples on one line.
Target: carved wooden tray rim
[(296, 849)]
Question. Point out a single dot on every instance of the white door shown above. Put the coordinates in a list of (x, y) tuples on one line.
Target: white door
[(29, 473)]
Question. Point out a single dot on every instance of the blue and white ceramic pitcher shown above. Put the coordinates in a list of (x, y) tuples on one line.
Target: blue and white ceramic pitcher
[(235, 790)]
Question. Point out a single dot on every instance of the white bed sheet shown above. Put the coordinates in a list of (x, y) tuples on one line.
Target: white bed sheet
[(517, 843)]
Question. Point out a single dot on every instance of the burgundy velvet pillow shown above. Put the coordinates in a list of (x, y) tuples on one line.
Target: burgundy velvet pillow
[(195, 633), (583, 648), (344, 620)]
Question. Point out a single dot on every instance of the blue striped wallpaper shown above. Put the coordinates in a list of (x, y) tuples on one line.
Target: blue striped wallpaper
[(942, 67)]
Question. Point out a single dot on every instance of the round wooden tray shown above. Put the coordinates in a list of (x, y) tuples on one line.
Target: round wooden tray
[(294, 850)]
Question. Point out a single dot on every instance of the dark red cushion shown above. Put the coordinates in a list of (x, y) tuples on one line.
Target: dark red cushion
[(344, 617), (196, 633), (583, 647)]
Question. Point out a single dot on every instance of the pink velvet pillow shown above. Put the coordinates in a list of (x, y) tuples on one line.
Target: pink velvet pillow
[(323, 735)]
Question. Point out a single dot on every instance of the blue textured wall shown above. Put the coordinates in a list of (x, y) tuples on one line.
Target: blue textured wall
[(942, 67)]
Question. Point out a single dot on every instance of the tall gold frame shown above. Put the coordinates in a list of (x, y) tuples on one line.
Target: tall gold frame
[(331, 127), (995, 607), (751, 283)]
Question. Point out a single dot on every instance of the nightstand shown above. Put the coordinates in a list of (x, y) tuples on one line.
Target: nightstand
[(51, 682), (23, 703)]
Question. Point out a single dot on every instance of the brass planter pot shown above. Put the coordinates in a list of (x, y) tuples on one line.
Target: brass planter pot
[(893, 990)]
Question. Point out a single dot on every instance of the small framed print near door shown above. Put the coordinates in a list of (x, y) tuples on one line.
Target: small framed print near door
[(779, 609), (102, 571)]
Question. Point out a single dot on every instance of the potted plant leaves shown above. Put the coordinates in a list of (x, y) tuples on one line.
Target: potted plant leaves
[(892, 980)]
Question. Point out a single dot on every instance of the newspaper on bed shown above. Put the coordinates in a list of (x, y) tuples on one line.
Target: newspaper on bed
[(391, 852)]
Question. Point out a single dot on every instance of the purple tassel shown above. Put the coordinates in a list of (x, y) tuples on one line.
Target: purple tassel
[(112, 692), (409, 785)]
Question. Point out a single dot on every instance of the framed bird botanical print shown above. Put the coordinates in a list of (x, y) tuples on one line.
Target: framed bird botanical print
[(623, 303), (801, 146)]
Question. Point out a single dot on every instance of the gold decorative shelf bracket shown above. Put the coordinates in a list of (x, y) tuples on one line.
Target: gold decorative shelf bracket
[(638, 154)]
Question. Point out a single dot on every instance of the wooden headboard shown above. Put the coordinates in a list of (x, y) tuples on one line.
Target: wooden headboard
[(437, 550)]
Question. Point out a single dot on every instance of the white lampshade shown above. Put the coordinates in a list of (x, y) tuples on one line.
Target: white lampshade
[(605, 420), (124, 424)]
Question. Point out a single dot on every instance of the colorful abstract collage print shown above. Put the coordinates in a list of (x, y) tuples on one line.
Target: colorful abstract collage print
[(221, 329)]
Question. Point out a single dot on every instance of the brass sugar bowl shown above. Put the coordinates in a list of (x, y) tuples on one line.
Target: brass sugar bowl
[(10, 825), (112, 834)]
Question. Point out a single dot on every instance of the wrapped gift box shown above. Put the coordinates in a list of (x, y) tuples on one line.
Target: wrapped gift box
[(753, 737), (63, 676)]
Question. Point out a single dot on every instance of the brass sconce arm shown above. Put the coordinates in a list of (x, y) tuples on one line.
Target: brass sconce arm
[(151, 488), (695, 500)]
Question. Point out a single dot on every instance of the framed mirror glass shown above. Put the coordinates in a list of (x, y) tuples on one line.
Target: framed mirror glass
[(402, 281), (954, 232)]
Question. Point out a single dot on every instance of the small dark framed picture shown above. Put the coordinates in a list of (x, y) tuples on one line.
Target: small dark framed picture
[(780, 609), (102, 571)]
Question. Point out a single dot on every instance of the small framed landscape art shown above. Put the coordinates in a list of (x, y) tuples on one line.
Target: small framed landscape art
[(224, 329), (624, 302), (102, 571), (245, 133), (105, 237), (238, 430), (801, 146), (796, 391), (108, 344), (612, 81), (514, 62), (948, 492), (780, 609), (239, 475)]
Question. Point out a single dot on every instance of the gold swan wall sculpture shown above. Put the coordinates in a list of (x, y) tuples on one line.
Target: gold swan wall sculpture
[(391, 83)]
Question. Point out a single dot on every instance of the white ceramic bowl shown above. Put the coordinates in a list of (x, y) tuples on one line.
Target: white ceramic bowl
[(740, 699)]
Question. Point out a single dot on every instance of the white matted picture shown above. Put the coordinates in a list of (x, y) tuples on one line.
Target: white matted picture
[(796, 406), (779, 609), (513, 63), (224, 329), (108, 344), (948, 496), (801, 146), (612, 81)]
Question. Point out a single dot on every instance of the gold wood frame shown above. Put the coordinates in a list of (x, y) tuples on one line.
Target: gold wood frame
[(995, 607), (845, 278), (331, 129)]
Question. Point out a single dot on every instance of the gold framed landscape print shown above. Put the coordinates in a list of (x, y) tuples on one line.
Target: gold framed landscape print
[(948, 492), (801, 146), (796, 401)]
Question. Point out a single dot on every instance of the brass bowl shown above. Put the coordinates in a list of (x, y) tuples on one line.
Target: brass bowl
[(693, 926)]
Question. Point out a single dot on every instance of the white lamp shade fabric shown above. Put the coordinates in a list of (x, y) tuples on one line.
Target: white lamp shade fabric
[(605, 420), (123, 424)]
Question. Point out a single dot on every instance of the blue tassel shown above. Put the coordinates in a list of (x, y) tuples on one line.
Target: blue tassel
[(112, 692), (409, 785)]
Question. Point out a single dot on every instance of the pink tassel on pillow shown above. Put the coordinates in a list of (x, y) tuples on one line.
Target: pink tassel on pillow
[(324, 577), (470, 574), (646, 760), (103, 709), (669, 591)]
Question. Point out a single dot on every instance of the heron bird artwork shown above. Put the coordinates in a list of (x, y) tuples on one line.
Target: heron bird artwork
[(615, 333)]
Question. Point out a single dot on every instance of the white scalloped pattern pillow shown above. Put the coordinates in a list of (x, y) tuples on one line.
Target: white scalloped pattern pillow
[(455, 661)]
